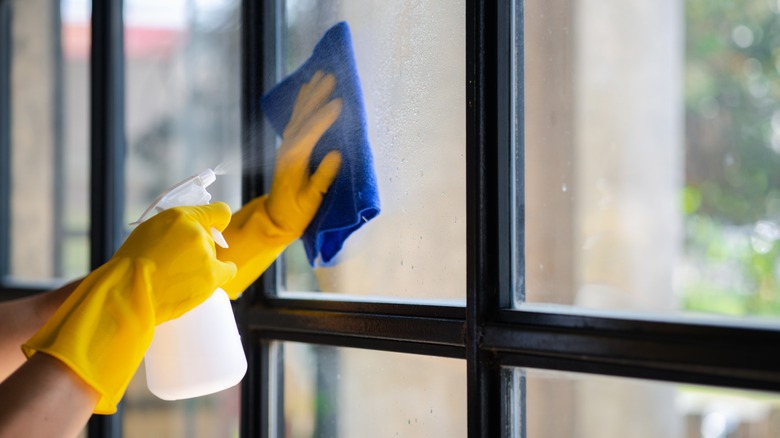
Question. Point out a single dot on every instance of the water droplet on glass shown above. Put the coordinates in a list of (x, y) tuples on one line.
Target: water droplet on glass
[(564, 188)]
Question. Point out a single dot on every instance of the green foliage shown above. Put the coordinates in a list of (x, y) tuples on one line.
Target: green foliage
[(732, 96), (732, 109), (691, 199), (745, 256)]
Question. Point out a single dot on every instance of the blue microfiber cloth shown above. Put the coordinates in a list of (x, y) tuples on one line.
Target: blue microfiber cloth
[(353, 199)]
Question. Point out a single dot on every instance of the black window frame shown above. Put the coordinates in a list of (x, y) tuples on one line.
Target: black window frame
[(487, 333)]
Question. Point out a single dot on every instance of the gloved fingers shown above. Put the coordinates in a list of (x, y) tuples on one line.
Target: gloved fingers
[(319, 95), (223, 272), (313, 129), (215, 215), (186, 288), (186, 232), (305, 91), (300, 101), (325, 174), (311, 97), (292, 161)]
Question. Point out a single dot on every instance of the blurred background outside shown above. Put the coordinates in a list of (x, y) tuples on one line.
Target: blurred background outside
[(651, 138)]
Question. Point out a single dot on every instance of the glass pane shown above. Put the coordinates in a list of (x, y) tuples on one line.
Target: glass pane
[(182, 105), (652, 158), (411, 61), (49, 139), (333, 392), (182, 79), (74, 228), (560, 404)]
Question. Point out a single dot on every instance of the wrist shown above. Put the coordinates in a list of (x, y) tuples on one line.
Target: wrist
[(274, 229), (254, 242)]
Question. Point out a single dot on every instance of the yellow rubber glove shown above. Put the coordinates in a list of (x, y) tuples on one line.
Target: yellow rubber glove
[(166, 267), (264, 227)]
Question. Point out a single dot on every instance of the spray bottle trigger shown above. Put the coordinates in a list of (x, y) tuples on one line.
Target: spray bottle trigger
[(219, 239)]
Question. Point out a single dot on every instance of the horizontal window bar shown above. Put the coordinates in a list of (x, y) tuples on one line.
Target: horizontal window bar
[(648, 371), (722, 353), (12, 288), (12, 293), (369, 305), (391, 345), (351, 328), (578, 317)]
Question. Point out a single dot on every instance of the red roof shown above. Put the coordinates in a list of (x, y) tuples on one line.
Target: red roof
[(140, 42)]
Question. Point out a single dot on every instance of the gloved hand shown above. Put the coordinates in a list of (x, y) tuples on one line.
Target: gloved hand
[(264, 227), (166, 267)]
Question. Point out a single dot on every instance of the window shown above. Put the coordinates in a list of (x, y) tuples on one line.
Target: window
[(579, 207), (46, 132), (415, 108)]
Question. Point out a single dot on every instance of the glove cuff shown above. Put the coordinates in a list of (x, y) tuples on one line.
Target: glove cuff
[(102, 331)]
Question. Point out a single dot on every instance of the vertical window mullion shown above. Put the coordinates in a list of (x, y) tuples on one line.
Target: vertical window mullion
[(488, 203), (107, 130), (253, 402), (107, 137), (59, 141), (5, 134), (261, 404)]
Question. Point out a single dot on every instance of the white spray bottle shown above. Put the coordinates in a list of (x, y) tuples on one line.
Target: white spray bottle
[(199, 353)]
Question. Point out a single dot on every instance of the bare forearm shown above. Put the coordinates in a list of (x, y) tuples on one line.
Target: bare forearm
[(20, 319), (44, 398)]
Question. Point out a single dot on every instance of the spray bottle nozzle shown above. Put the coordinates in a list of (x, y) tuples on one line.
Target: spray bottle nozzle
[(206, 177), (191, 191)]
